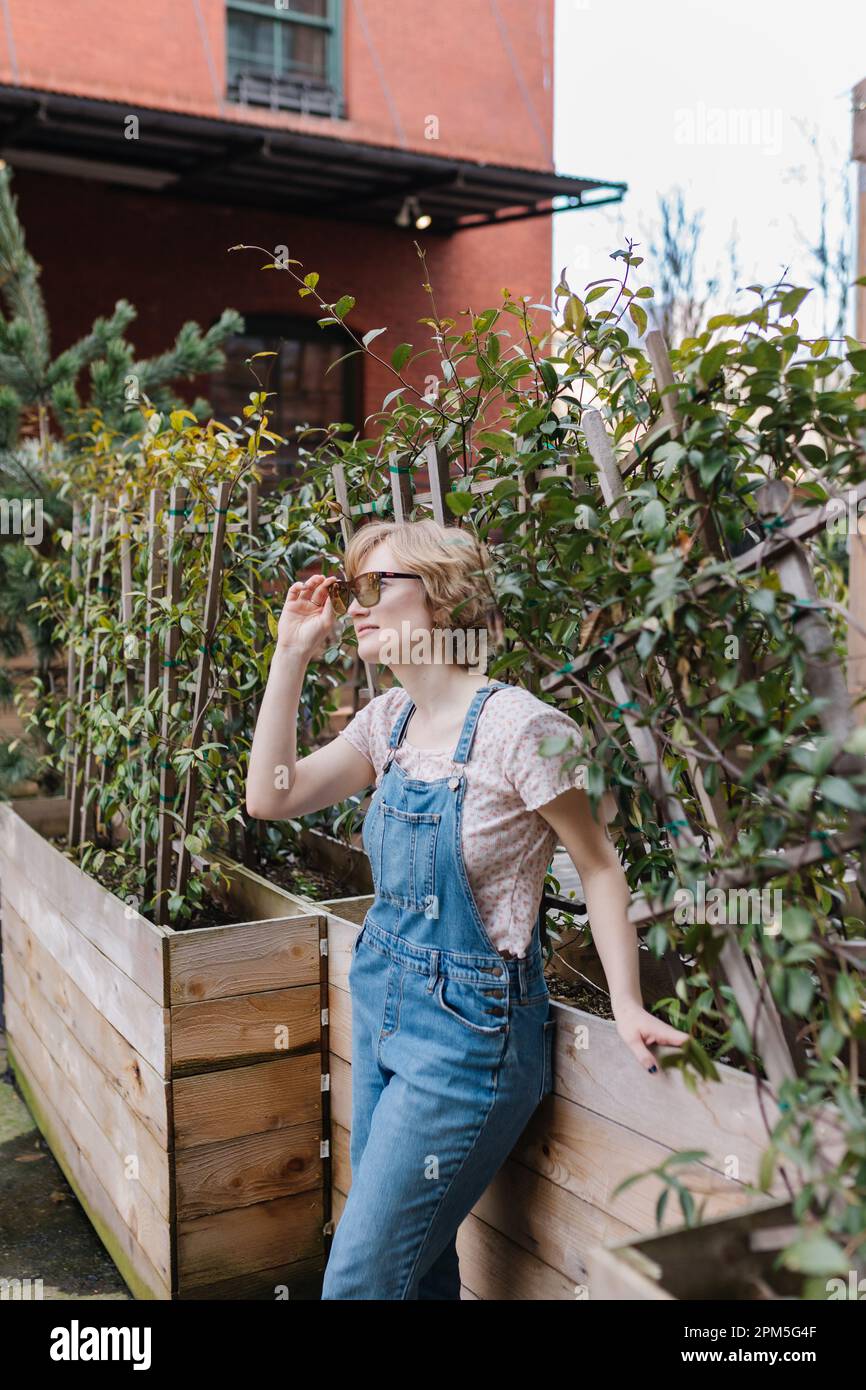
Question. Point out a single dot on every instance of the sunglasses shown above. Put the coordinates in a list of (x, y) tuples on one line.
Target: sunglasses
[(367, 588)]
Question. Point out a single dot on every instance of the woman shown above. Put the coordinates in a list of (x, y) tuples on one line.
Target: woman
[(451, 1028)]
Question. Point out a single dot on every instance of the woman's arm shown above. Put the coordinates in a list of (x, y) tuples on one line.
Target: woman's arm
[(277, 785), (607, 896)]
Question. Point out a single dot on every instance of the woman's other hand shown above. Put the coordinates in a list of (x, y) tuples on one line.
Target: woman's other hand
[(639, 1029)]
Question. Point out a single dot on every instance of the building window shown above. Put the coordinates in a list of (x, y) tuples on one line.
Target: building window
[(304, 391), (286, 54)]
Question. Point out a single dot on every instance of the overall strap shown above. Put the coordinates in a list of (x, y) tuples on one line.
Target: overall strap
[(400, 724), (464, 747)]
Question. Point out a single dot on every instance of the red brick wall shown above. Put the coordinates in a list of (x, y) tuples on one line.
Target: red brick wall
[(489, 83), (97, 244), (492, 95)]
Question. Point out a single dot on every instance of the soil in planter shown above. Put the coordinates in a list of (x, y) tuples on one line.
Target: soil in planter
[(210, 913), (303, 880), (290, 873)]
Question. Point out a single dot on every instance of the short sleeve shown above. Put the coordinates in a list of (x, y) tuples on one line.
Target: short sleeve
[(357, 731), (537, 777)]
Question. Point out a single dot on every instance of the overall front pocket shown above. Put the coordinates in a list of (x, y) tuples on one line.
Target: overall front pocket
[(472, 1005), (407, 857)]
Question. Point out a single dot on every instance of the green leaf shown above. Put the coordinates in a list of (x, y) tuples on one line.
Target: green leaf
[(638, 316), (711, 362), (792, 300), (764, 600), (459, 502), (797, 924), (574, 314), (748, 699), (343, 305), (194, 844), (651, 518), (798, 792), (532, 419), (816, 1254), (800, 990), (400, 356), (841, 793)]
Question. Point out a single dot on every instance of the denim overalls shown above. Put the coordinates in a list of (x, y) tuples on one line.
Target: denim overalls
[(451, 1043)]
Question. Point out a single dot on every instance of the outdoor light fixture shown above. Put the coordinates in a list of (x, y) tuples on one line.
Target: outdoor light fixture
[(410, 209)]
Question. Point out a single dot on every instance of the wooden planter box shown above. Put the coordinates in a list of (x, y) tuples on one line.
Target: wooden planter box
[(730, 1258), (214, 1165), (532, 1234), (176, 1075)]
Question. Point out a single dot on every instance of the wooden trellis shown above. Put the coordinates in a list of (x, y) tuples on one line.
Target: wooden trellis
[(774, 1037), (164, 871)]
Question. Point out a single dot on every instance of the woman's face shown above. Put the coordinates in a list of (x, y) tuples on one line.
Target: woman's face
[(402, 601)]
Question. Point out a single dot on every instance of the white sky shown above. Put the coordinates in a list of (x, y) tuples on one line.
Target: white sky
[(651, 94)]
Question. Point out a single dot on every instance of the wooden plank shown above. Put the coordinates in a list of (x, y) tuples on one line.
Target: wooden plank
[(89, 810), (246, 958), (299, 1281), (120, 933), (349, 909), (231, 1243), (47, 814), (80, 1074), (202, 678), (219, 1105), (657, 351), (347, 527), (251, 895), (253, 831), (126, 1006), (76, 793), (439, 475), (251, 1168), (244, 1028), (155, 590), (401, 487), (140, 1086), (75, 576), (143, 1279), (124, 538), (168, 777), (131, 1201), (348, 862), (716, 1261)]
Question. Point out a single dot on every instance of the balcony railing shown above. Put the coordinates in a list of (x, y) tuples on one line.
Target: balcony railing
[(310, 96)]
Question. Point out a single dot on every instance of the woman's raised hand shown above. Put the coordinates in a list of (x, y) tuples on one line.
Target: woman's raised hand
[(308, 621)]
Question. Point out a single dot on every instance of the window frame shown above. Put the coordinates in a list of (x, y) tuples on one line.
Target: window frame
[(290, 328), (332, 25)]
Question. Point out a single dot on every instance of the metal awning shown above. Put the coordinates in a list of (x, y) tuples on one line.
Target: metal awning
[(314, 175)]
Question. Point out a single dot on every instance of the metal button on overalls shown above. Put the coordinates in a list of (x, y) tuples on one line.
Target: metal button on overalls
[(451, 1042)]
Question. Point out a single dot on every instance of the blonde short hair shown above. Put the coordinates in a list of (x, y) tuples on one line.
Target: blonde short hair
[(453, 563)]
